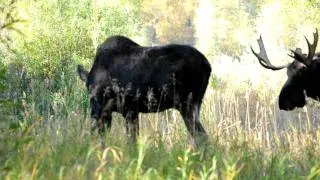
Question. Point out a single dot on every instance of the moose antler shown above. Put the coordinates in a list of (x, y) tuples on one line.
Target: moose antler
[(263, 57), (311, 51)]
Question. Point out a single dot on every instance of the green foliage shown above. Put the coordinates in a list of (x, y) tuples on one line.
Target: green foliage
[(57, 36), (5, 102), (63, 30), (235, 24), (169, 21), (3, 70), (9, 18)]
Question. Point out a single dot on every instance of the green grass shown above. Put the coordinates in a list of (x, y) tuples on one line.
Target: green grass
[(246, 142)]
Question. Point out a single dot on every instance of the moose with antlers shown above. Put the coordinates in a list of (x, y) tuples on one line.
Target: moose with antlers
[(303, 74)]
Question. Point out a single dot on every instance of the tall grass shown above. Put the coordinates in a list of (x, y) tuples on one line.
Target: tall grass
[(249, 139)]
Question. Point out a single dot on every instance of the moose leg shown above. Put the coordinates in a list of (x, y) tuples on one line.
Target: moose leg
[(132, 125), (100, 123), (107, 121), (190, 114), (107, 118)]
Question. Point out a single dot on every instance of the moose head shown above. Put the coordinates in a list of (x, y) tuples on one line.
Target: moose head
[(303, 74)]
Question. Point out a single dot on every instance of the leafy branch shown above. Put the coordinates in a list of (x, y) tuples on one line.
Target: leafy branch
[(8, 20)]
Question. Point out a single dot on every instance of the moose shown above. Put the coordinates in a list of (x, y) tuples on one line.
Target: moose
[(130, 79), (303, 74)]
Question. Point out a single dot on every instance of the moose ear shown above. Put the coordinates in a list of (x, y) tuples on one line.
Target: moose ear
[(82, 73)]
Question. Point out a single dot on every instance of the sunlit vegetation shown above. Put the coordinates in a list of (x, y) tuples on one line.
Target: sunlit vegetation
[(45, 126)]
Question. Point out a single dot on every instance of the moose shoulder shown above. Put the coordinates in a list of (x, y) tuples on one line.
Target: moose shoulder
[(128, 78), (303, 74)]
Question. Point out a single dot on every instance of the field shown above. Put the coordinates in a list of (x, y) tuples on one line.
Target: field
[(45, 128), (249, 139)]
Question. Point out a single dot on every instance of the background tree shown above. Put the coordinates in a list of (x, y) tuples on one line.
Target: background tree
[(9, 20), (169, 21)]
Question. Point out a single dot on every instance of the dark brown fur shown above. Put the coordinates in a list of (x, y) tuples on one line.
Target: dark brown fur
[(128, 78)]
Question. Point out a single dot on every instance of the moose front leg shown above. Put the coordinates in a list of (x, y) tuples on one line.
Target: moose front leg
[(104, 120), (106, 117), (101, 128), (132, 125)]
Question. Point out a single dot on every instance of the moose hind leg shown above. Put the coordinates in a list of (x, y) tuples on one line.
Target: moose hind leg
[(190, 114)]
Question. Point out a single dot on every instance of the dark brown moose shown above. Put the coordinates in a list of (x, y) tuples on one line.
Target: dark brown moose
[(303, 74), (128, 78)]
